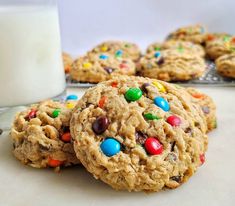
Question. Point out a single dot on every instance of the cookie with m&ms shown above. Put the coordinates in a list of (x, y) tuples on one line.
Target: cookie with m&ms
[(220, 45), (41, 135), (119, 49), (140, 135), (67, 61), (171, 65), (98, 67), (179, 45), (207, 105), (225, 65), (194, 33)]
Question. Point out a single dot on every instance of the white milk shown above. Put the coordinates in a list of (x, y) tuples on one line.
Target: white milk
[(31, 67)]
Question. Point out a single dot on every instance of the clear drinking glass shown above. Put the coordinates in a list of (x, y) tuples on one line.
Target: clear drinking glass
[(31, 67)]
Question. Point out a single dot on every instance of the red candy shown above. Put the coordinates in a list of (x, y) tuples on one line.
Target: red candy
[(66, 137), (32, 114), (153, 146), (198, 96), (54, 163), (202, 158), (210, 37), (123, 66), (174, 120), (114, 84), (102, 101)]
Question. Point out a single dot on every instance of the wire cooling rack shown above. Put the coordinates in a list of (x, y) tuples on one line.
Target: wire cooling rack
[(209, 78)]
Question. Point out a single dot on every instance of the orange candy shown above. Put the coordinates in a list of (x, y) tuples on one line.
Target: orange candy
[(102, 101), (54, 163), (66, 137), (210, 37), (198, 95)]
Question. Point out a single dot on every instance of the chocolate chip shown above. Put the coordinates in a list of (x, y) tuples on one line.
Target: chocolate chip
[(188, 130), (176, 178), (1, 131), (144, 87), (43, 148), (173, 146), (109, 70), (100, 124), (140, 138), (205, 109), (161, 61)]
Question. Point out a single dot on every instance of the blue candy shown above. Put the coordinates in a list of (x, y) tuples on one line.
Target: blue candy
[(103, 56), (162, 103), (110, 147), (157, 54), (119, 53), (72, 97)]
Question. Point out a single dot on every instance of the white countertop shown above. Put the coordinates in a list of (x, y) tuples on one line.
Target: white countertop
[(213, 184)]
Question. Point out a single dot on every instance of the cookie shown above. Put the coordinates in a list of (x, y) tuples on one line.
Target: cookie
[(122, 49), (96, 68), (171, 65), (67, 60), (193, 33), (179, 45), (213, 36), (220, 46), (41, 135), (139, 135), (225, 65), (207, 105)]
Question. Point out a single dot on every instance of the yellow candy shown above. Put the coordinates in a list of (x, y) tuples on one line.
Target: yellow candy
[(159, 86), (70, 105), (104, 48), (87, 65)]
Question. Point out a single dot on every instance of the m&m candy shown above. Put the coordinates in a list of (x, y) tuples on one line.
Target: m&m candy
[(104, 48), (174, 120), (133, 94), (162, 103), (157, 54), (56, 113), (150, 116), (32, 114), (153, 146), (118, 53), (87, 65), (70, 105), (110, 147), (66, 137), (54, 162), (100, 124), (103, 56), (102, 101), (202, 158), (72, 97), (159, 86)]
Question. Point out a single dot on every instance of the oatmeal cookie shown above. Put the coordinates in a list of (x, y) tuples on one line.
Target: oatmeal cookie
[(41, 135), (139, 134), (207, 105), (225, 65), (121, 49), (171, 65), (220, 46), (95, 68), (179, 45), (67, 60), (193, 33)]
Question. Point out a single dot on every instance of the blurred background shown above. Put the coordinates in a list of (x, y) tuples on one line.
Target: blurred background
[(85, 23)]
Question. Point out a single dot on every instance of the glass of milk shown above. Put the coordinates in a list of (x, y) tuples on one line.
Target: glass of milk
[(31, 67)]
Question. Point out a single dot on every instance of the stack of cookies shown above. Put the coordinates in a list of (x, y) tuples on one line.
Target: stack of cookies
[(133, 133), (181, 57)]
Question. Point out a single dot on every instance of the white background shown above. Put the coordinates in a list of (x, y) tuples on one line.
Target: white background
[(87, 22)]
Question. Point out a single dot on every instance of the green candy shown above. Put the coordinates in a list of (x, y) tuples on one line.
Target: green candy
[(56, 113), (150, 116), (226, 38), (157, 48), (180, 49), (133, 94)]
